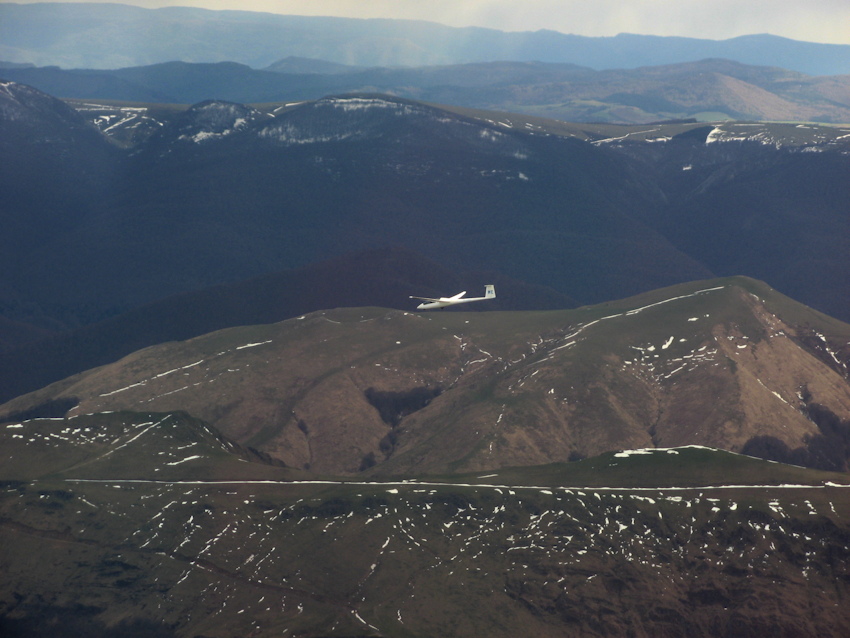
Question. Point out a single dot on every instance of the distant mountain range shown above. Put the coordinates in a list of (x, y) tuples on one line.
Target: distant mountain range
[(260, 58), (107, 36), (706, 90)]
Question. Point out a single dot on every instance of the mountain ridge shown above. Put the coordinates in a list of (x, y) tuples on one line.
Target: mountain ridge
[(330, 177), (381, 277), (725, 88), (512, 388), (95, 36)]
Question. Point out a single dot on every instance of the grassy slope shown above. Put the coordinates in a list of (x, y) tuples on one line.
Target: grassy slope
[(519, 383), (402, 559)]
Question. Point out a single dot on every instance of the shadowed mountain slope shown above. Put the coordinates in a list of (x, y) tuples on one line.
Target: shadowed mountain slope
[(591, 212), (55, 170), (239, 193)]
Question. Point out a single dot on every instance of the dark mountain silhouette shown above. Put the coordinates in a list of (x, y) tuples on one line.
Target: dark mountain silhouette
[(744, 207), (201, 204), (56, 170), (222, 193), (17, 333)]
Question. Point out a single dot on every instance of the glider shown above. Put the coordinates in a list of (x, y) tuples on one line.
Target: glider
[(429, 303)]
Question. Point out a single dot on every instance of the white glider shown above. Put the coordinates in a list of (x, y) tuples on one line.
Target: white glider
[(429, 303)]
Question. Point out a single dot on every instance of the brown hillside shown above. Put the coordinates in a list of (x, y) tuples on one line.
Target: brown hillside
[(726, 364)]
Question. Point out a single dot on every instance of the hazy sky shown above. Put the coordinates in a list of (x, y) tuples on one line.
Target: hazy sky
[(811, 20)]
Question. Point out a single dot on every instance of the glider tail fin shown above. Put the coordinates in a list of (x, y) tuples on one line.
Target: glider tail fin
[(489, 292)]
